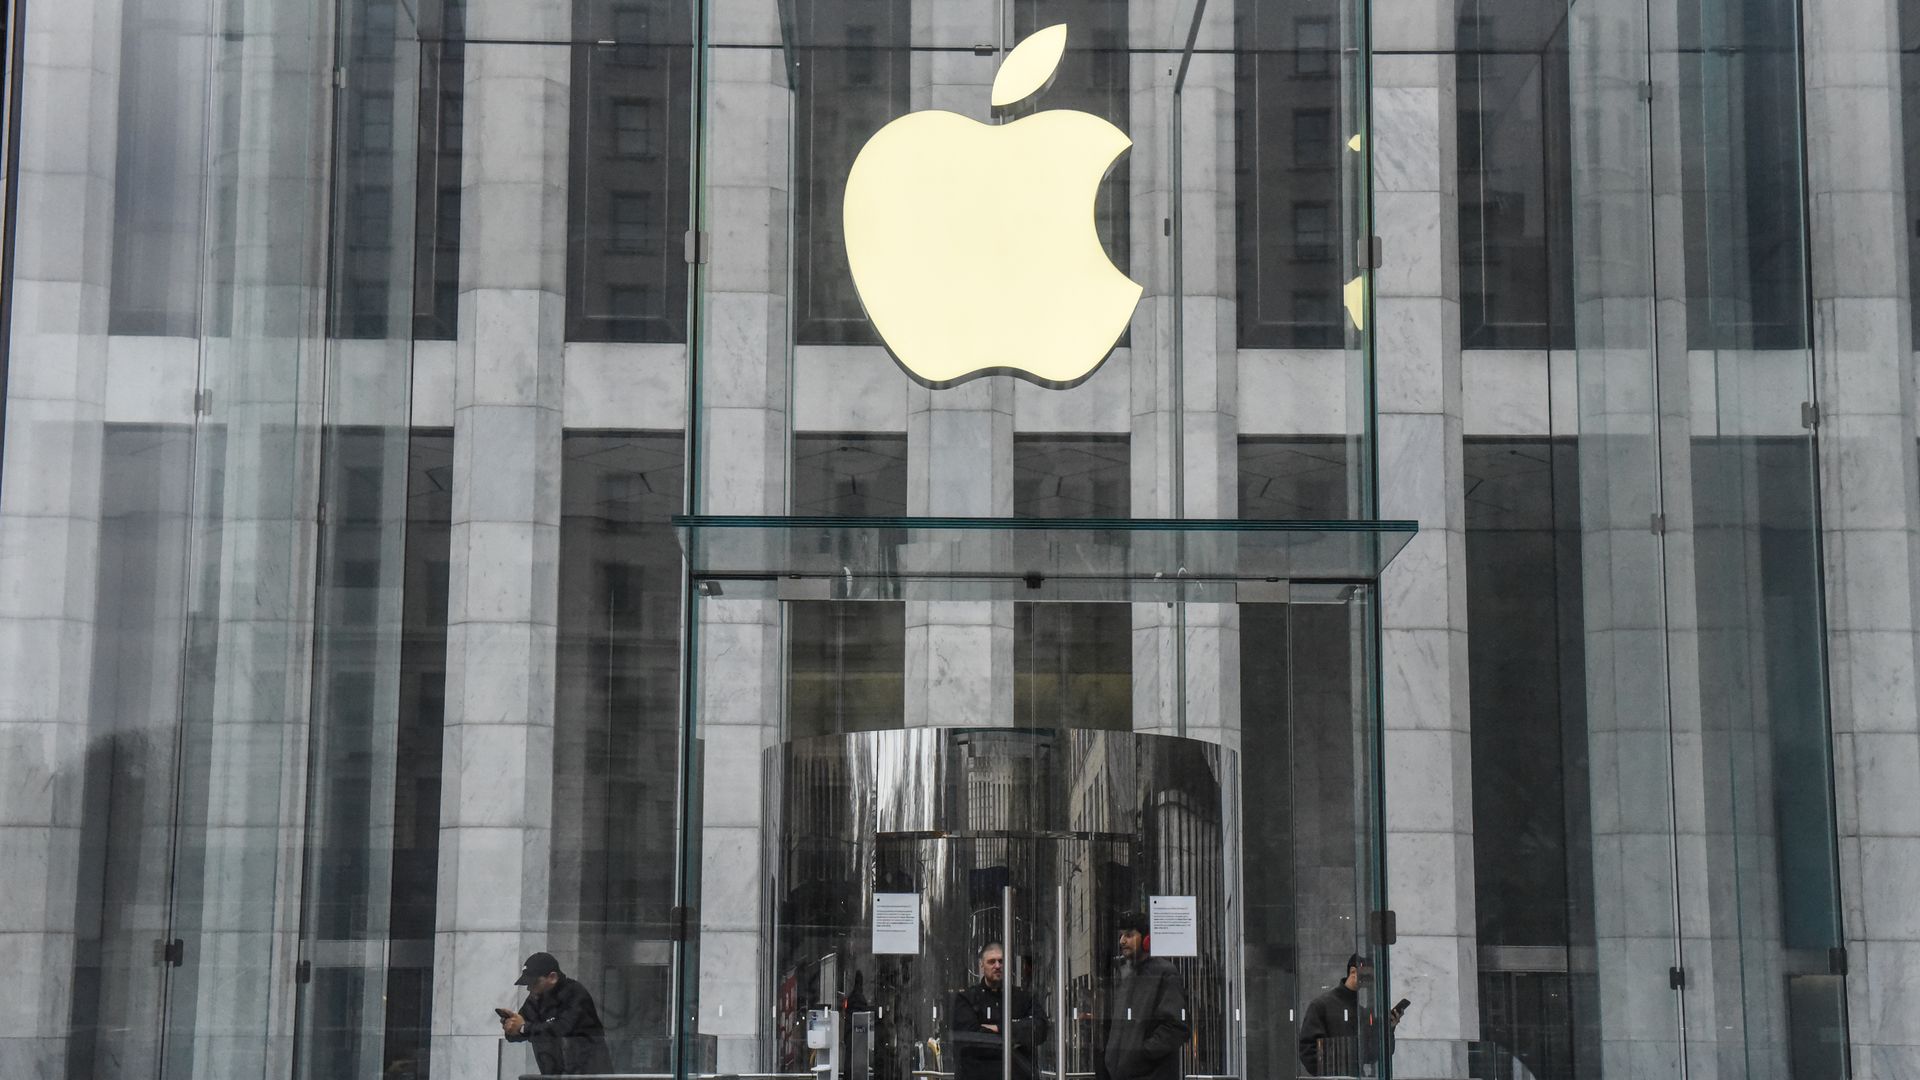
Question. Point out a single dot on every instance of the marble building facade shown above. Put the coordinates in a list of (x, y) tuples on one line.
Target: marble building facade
[(358, 354)]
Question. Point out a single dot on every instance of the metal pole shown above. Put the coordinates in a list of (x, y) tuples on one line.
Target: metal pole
[(1060, 981), (1006, 982)]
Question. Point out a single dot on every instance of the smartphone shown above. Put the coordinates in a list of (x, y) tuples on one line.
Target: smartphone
[(1401, 1007)]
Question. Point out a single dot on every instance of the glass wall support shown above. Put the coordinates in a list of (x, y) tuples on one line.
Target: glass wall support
[(1864, 386)]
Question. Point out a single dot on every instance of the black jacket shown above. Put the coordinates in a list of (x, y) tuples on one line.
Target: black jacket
[(1330, 1034), (565, 1031), (1146, 1022), (977, 1050)]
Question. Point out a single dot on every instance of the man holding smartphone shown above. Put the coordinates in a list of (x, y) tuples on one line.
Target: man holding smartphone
[(1331, 1032), (559, 1019)]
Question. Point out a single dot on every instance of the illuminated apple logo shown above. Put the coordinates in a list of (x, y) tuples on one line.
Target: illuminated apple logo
[(973, 245)]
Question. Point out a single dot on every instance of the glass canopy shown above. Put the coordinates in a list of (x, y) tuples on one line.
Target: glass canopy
[(1044, 559)]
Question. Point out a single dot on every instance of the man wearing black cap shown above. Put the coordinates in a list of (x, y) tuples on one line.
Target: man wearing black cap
[(1330, 1042), (559, 1019), (1147, 1018)]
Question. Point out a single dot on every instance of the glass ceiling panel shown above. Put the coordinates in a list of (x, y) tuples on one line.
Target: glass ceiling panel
[(1130, 559)]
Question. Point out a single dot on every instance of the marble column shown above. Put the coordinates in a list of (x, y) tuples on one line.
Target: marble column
[(1428, 737), (1185, 375), (496, 801), (1864, 373), (50, 496), (959, 440), (744, 370)]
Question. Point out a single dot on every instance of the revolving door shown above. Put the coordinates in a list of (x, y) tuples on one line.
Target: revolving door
[(841, 885), (1033, 840)]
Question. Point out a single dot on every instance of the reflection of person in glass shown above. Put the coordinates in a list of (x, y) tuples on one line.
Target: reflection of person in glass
[(1147, 1017), (559, 1019), (1331, 1032), (979, 1023)]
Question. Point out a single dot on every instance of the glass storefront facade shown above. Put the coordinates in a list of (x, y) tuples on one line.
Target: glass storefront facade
[(458, 502)]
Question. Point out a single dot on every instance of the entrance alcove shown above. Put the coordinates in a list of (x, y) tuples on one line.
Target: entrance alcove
[(1265, 826)]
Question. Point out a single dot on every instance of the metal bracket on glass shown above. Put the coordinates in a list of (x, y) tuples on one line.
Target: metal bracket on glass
[(1677, 978), (1383, 927), (1837, 960), (698, 245), (1270, 591), (170, 953), (1657, 524), (1371, 253), (1810, 415), (684, 920)]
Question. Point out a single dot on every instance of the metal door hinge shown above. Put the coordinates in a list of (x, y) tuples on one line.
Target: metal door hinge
[(699, 245), (170, 953), (1677, 978), (1383, 927), (303, 972), (203, 403), (686, 921), (1371, 253), (1657, 524), (1810, 415), (1644, 91)]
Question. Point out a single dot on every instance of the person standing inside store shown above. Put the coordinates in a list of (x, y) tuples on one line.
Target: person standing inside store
[(1331, 1030), (1147, 1014), (559, 1019), (979, 1025)]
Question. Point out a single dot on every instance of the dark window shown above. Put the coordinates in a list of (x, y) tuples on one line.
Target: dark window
[(1525, 662), (1313, 48), (375, 187), (1285, 139), (1312, 138), (416, 792), (436, 252), (1073, 662), (635, 130), (1515, 184), (1294, 478), (847, 660), (1312, 231), (158, 214), (616, 728), (628, 184), (1744, 206), (851, 77), (630, 216)]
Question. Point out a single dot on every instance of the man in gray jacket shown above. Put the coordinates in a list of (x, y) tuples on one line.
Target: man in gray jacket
[(1147, 1017)]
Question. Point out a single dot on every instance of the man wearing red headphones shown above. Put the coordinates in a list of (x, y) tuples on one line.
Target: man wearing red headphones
[(1147, 1024)]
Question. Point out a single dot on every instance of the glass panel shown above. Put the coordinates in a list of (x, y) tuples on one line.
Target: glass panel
[(348, 887), (251, 605), (1629, 732)]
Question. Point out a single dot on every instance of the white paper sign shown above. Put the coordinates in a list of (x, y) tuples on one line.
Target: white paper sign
[(896, 923), (1173, 922)]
